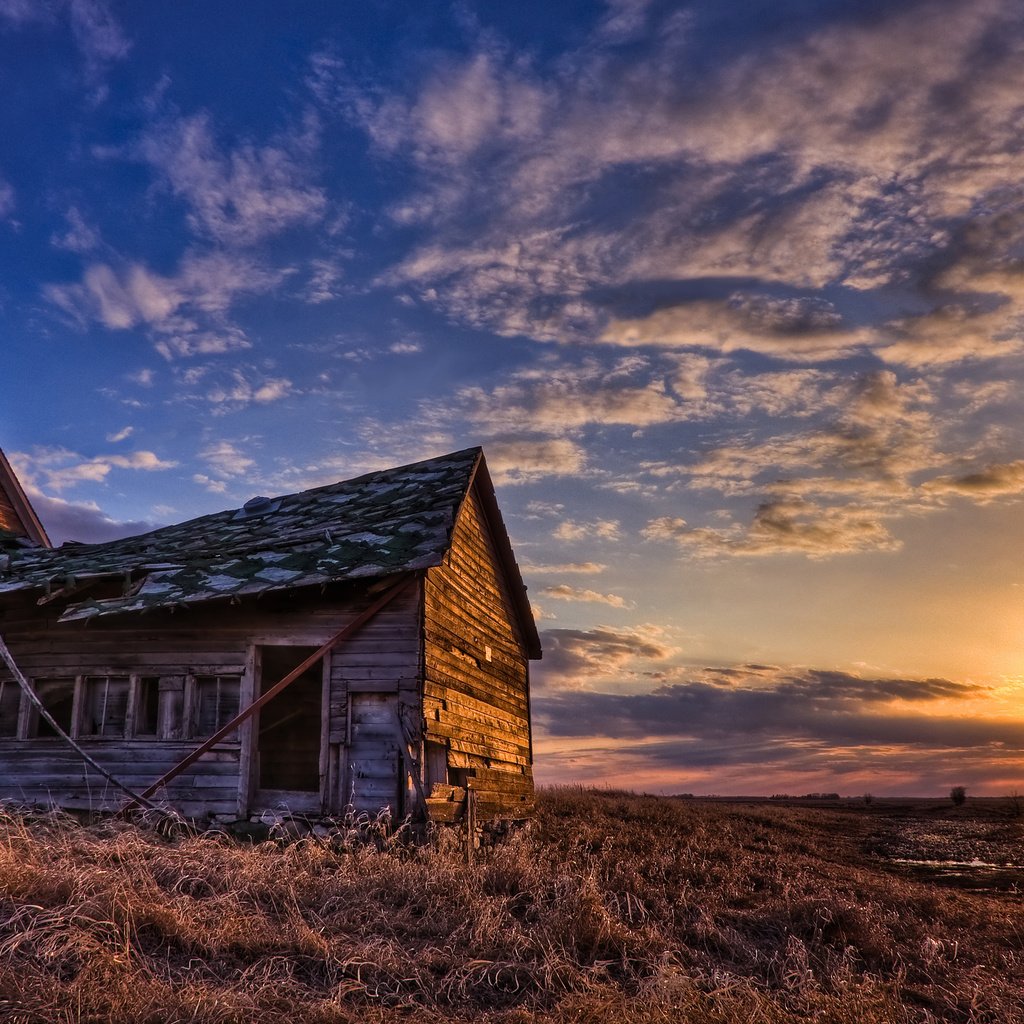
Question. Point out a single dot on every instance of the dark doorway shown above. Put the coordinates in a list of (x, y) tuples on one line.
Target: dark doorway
[(289, 729)]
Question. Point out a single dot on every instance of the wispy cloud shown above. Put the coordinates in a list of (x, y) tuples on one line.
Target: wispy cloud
[(56, 469), (79, 237), (565, 592), (186, 312), (98, 34), (993, 481), (239, 196), (600, 529)]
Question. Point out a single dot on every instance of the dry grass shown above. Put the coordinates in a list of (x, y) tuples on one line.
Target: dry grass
[(607, 908)]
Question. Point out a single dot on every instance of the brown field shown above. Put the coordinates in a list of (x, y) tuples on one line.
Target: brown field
[(607, 908)]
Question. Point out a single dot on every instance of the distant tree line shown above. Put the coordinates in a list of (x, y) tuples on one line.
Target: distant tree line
[(806, 796)]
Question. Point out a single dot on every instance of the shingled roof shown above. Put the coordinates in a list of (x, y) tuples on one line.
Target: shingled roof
[(375, 525)]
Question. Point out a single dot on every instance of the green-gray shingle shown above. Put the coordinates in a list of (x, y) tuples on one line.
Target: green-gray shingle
[(375, 525)]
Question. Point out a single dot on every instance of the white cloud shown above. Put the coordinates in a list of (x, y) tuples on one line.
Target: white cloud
[(797, 330), (185, 311), (56, 469), (224, 458), (97, 33), (239, 390), (121, 435), (558, 399), (212, 485), (237, 197), (565, 568), (80, 236), (7, 198), (601, 529), (523, 460), (324, 281), (144, 378), (564, 592), (783, 526)]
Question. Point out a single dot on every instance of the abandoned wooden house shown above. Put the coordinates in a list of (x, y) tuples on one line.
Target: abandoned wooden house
[(390, 607)]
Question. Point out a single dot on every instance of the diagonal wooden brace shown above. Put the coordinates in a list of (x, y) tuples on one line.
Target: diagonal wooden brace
[(349, 630)]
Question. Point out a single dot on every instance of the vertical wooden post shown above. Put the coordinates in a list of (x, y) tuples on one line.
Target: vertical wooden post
[(470, 825), (325, 736)]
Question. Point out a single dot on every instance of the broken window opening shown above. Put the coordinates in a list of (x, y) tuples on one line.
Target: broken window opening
[(58, 697), (147, 706), (10, 705), (217, 703), (104, 706)]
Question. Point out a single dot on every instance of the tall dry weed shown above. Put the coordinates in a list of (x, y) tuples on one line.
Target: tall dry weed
[(608, 907)]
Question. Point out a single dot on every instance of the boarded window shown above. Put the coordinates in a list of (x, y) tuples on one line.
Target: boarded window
[(105, 706), (147, 706), (10, 701), (58, 697), (216, 703)]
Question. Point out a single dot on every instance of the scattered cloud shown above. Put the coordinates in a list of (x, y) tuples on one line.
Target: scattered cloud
[(561, 399), (565, 592), (56, 469), (226, 459), (574, 658), (121, 435), (405, 348), (7, 198), (239, 390), (565, 568), (324, 281), (236, 197), (780, 708), (184, 312), (782, 527), (997, 480), (600, 529), (523, 460), (796, 330), (85, 522), (99, 36), (79, 237)]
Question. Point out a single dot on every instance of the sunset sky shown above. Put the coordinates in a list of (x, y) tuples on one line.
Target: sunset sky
[(732, 295)]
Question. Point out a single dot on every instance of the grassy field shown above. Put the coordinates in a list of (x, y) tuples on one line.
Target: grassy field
[(606, 908)]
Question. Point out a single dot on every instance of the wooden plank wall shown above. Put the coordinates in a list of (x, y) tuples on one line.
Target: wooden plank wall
[(212, 639), (476, 676), (9, 518), (383, 658)]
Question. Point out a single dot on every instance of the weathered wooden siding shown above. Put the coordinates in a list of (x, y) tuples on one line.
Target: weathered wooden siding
[(49, 772), (208, 640), (9, 519), (383, 659), (476, 683)]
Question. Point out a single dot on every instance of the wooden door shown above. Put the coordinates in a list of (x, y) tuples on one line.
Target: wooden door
[(374, 761)]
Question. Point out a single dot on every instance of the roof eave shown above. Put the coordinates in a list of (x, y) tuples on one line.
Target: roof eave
[(481, 479), (22, 506)]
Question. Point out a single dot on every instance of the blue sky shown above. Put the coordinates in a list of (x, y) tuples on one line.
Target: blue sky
[(731, 294)]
